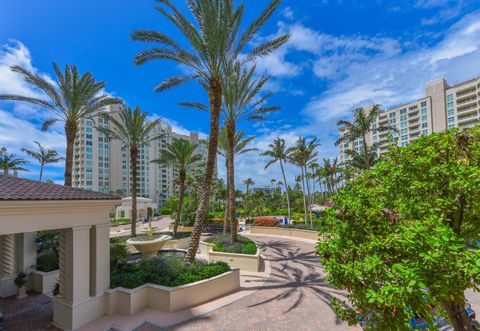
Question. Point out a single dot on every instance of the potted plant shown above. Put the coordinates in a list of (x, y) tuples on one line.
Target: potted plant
[(20, 282)]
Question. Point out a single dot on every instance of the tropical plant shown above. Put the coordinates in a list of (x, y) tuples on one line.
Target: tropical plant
[(215, 43), (229, 151), (278, 153), (72, 98), (302, 154), (44, 156), (132, 128), (364, 122), (400, 236), (10, 162), (181, 154), (248, 182)]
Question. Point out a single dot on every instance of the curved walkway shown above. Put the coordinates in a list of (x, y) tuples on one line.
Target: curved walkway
[(295, 297)]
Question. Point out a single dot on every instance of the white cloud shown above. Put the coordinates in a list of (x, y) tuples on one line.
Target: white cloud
[(288, 13)]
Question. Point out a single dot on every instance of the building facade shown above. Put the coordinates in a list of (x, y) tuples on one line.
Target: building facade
[(444, 107), (103, 165)]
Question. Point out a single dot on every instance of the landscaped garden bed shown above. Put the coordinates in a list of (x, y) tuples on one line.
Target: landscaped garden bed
[(243, 254), (284, 231), (223, 243), (166, 270)]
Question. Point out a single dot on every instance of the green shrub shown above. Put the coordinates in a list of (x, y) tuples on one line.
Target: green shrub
[(122, 220), (47, 241), (118, 251), (223, 243), (47, 261), (165, 211), (167, 270)]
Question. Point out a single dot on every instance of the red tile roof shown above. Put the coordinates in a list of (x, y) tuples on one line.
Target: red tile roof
[(14, 188)]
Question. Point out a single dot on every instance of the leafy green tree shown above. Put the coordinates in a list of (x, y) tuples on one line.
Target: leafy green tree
[(181, 154), (362, 124), (44, 156), (278, 153), (132, 128), (72, 98), (229, 151), (215, 42), (10, 162), (398, 237)]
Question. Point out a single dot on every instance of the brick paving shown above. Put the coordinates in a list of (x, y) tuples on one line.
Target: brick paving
[(33, 313), (296, 297)]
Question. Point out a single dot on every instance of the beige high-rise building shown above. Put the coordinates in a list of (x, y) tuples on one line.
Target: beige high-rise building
[(444, 107), (103, 165)]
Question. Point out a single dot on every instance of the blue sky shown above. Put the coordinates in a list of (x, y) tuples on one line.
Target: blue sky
[(342, 54)]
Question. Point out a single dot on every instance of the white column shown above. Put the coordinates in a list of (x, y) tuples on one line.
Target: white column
[(100, 259), (26, 251), (76, 265)]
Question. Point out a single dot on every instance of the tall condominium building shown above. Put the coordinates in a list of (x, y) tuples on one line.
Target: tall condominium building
[(444, 107), (103, 165)]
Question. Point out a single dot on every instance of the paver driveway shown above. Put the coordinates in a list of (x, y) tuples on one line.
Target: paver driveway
[(295, 297)]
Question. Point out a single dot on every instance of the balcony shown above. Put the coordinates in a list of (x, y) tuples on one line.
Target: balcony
[(466, 92), (466, 109), (469, 118), (467, 125), (467, 101)]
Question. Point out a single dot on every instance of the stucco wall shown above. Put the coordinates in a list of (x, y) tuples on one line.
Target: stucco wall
[(285, 232), (171, 299), (44, 282), (242, 261)]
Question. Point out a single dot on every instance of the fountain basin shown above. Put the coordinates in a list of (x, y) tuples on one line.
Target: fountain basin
[(149, 247)]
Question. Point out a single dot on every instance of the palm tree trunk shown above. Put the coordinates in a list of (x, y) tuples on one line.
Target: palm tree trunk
[(286, 190), (70, 132), (231, 180), (309, 200), (365, 153), (41, 172), (215, 98), (304, 200), (133, 165), (181, 178), (226, 219)]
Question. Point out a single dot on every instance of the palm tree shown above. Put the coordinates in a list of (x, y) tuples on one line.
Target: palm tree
[(10, 162), (43, 156), (214, 43), (362, 124), (302, 154), (278, 153), (239, 147), (248, 182), (72, 98), (132, 128), (181, 154)]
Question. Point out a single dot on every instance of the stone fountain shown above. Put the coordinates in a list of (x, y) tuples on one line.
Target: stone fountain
[(149, 244)]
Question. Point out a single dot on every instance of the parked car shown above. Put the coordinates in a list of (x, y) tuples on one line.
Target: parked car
[(418, 323)]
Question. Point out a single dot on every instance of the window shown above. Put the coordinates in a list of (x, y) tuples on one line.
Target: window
[(451, 126), (89, 149), (345, 145), (88, 122), (393, 121), (404, 144), (424, 111), (451, 112), (424, 104), (89, 130), (404, 131), (424, 131), (451, 119), (89, 143), (403, 124), (403, 111), (424, 118), (405, 137), (88, 156), (89, 136), (450, 105), (391, 115), (403, 118), (450, 97), (89, 163), (424, 125)]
